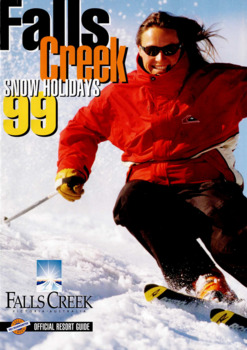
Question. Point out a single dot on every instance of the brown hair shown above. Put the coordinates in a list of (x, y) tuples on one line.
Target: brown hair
[(189, 34)]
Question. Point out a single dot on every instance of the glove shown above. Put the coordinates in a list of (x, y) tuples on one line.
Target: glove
[(69, 183)]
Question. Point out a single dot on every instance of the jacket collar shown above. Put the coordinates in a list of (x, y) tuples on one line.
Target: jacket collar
[(171, 81)]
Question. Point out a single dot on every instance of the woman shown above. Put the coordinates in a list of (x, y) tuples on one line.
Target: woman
[(177, 123)]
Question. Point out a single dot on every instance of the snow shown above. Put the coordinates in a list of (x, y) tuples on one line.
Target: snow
[(99, 258), (105, 262)]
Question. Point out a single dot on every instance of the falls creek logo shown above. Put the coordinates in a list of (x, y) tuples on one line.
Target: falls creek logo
[(49, 275), (50, 299), (49, 285)]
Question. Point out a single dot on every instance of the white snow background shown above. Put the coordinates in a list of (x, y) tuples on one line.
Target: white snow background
[(99, 258)]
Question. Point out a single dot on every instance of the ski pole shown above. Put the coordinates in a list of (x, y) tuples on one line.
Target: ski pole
[(7, 220)]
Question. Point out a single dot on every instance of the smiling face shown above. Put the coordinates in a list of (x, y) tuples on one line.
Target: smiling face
[(155, 36)]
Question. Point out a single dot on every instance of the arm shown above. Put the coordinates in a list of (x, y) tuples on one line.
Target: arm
[(78, 146), (238, 89)]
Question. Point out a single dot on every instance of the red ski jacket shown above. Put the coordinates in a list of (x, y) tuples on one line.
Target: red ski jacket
[(174, 128)]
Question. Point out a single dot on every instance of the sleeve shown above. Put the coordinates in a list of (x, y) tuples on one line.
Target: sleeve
[(242, 108), (239, 90), (231, 93), (79, 141)]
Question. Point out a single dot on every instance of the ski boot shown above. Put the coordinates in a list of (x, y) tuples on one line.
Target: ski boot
[(215, 288)]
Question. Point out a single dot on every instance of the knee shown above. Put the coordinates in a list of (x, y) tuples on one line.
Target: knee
[(228, 246), (131, 203)]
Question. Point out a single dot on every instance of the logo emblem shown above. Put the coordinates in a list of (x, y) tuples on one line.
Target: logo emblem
[(224, 318), (190, 119), (155, 292), (49, 275), (18, 326)]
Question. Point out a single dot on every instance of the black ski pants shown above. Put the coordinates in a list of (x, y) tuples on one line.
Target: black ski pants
[(167, 220)]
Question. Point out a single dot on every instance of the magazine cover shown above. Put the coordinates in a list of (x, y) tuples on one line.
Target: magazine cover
[(70, 277)]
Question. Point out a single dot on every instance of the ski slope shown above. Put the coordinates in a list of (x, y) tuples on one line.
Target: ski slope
[(99, 258), (105, 262)]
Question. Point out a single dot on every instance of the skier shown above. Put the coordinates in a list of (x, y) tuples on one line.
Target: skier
[(176, 121)]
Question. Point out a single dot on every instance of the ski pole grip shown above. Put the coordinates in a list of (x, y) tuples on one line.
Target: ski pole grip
[(58, 183), (71, 181)]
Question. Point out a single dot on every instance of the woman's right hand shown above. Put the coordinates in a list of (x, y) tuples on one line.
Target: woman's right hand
[(69, 183)]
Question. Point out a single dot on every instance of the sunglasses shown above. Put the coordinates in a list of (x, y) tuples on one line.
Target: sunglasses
[(167, 50)]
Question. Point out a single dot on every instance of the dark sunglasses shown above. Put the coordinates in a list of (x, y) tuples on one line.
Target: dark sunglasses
[(167, 50)]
